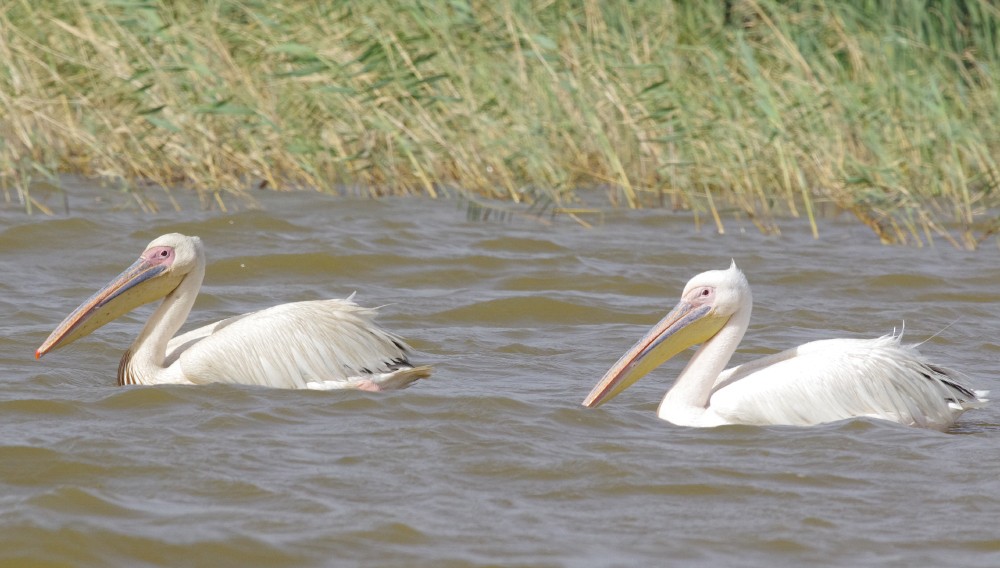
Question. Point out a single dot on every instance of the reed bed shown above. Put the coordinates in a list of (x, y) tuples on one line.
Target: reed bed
[(745, 108)]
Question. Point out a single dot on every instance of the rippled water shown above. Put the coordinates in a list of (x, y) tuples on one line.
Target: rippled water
[(492, 461)]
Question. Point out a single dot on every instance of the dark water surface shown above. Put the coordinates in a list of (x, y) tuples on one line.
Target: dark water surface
[(492, 461)]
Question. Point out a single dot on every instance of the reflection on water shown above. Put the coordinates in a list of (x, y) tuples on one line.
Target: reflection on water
[(492, 461)]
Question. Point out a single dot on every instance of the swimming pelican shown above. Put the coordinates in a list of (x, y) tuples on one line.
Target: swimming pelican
[(821, 381), (322, 344)]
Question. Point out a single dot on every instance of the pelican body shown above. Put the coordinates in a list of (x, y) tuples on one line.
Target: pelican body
[(323, 344), (818, 382)]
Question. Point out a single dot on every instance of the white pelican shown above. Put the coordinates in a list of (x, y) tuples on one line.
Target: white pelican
[(821, 381), (322, 344)]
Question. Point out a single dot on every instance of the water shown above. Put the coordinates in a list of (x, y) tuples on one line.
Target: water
[(492, 461)]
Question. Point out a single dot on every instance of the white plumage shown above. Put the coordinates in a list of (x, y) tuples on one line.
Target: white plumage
[(323, 344), (820, 381)]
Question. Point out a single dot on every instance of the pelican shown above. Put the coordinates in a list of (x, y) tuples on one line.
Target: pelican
[(322, 344), (818, 382)]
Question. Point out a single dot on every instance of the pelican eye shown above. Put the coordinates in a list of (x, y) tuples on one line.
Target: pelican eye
[(160, 254)]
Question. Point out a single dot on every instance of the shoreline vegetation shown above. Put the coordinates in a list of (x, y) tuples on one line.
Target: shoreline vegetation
[(753, 109)]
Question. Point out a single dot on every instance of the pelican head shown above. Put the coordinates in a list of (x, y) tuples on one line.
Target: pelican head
[(158, 271), (708, 302)]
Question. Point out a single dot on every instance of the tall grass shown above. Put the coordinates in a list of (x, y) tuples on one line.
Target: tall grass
[(751, 108)]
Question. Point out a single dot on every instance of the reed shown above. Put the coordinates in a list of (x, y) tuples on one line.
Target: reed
[(746, 108)]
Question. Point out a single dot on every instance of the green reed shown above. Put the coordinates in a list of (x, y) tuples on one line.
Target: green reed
[(749, 108)]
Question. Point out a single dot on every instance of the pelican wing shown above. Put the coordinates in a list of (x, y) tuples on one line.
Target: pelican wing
[(317, 344), (180, 344), (825, 381)]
